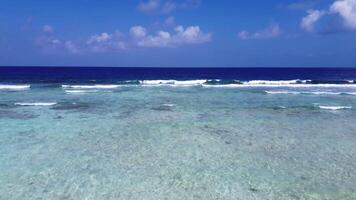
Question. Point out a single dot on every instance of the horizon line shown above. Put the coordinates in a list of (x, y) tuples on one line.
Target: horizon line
[(160, 67)]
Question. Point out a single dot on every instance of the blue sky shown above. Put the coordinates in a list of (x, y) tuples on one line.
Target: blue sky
[(178, 33)]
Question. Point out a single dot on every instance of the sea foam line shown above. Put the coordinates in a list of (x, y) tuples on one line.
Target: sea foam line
[(91, 86), (172, 82), (283, 86), (221, 84), (335, 107), (309, 92), (15, 87), (282, 92), (79, 91), (36, 104)]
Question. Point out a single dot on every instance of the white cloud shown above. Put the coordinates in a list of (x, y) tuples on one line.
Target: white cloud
[(71, 47), (149, 6), (181, 36), (243, 35), (103, 42), (106, 42), (347, 11), (138, 31), (191, 34), (47, 29), (309, 21), (117, 41), (166, 6), (270, 32), (103, 37), (162, 39), (56, 42)]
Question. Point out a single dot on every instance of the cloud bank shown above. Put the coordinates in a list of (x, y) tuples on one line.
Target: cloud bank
[(138, 37), (180, 36)]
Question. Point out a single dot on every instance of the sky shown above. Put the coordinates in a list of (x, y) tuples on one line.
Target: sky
[(178, 33)]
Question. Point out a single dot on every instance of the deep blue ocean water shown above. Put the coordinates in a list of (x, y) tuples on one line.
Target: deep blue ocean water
[(164, 133), (63, 74)]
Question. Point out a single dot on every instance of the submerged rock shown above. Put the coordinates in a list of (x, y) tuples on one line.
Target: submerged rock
[(6, 105), (7, 114), (252, 189), (164, 107)]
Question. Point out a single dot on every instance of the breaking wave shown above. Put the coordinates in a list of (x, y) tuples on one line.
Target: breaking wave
[(218, 83), (36, 104), (335, 107), (80, 91), (172, 82), (310, 92), (15, 87), (91, 86)]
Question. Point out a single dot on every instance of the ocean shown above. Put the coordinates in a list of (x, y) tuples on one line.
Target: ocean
[(177, 133)]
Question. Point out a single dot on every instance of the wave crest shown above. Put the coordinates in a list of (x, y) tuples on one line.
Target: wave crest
[(335, 107), (36, 104), (91, 86), (15, 87)]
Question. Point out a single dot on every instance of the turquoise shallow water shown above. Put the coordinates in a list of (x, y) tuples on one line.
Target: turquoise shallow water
[(164, 142)]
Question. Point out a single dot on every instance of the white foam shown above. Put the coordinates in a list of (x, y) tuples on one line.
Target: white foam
[(282, 92), (349, 93), (15, 87), (36, 104), (253, 83), (91, 86), (335, 107), (310, 92), (172, 82), (224, 86), (192, 82), (79, 91), (323, 93), (244, 85), (283, 84), (169, 105), (266, 82), (282, 107)]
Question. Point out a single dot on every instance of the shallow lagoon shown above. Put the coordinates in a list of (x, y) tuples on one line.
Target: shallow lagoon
[(138, 142)]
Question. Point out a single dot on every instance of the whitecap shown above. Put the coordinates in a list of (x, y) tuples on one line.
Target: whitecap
[(15, 87), (282, 92), (349, 93), (36, 104), (323, 93), (91, 86), (266, 82), (172, 82), (169, 105), (223, 86), (192, 82), (310, 92), (79, 91), (244, 85), (335, 107)]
